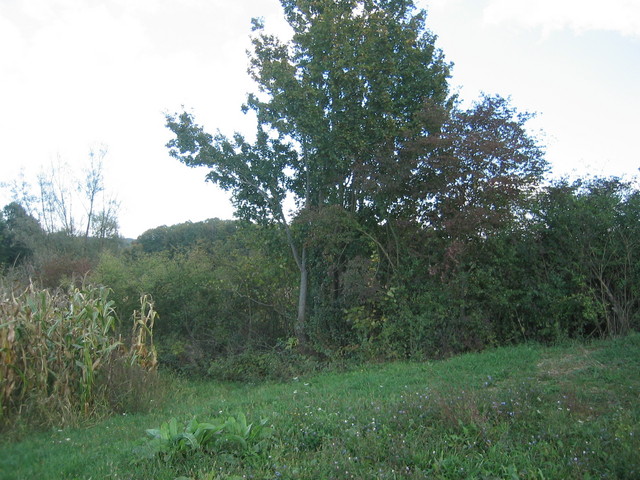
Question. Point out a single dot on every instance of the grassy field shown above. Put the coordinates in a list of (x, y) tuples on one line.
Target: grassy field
[(571, 411)]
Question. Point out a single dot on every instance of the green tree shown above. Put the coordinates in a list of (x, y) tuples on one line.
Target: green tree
[(186, 235), (20, 234), (591, 232), (5, 242), (333, 106)]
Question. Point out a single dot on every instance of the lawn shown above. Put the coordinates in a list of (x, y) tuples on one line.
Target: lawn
[(528, 411)]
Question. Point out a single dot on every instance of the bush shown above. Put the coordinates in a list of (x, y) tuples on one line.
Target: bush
[(223, 435), (62, 269), (212, 299), (128, 387), (254, 366)]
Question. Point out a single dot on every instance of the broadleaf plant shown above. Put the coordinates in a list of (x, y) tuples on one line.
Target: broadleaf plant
[(228, 435)]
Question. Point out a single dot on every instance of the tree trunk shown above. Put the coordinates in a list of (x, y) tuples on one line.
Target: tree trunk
[(300, 327), (301, 261)]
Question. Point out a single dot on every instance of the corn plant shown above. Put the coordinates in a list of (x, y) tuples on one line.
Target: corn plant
[(53, 345), (143, 351), (230, 435)]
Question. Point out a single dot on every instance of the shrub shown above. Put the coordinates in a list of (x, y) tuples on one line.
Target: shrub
[(433, 324), (128, 387), (252, 366), (223, 435), (63, 268)]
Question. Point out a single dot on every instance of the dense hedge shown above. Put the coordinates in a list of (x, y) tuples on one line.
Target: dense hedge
[(568, 269)]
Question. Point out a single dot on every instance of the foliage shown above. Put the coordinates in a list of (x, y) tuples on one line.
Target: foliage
[(567, 271), (560, 265), (223, 297), (222, 435), (418, 228), (19, 233), (355, 122), (187, 235), (564, 268), (332, 106), (257, 366), (477, 172), (592, 233), (54, 347), (434, 323)]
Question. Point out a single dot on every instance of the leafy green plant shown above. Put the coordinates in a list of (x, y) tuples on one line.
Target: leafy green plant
[(229, 435)]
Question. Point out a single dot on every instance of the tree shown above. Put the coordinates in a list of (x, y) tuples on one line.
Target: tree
[(20, 234), (333, 106), (56, 199), (186, 235), (477, 171), (60, 197), (592, 227), (102, 223)]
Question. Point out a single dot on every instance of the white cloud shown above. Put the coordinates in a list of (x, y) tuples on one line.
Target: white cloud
[(10, 57), (621, 16), (46, 10), (432, 5)]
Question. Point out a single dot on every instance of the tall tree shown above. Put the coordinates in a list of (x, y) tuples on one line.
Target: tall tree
[(333, 105), (92, 186), (58, 192), (477, 172)]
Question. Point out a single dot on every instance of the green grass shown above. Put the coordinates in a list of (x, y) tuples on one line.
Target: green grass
[(570, 411)]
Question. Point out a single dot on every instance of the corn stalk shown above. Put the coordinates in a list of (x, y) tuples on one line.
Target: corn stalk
[(143, 352), (52, 345)]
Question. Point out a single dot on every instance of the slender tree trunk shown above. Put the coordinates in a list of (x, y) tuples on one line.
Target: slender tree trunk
[(89, 216), (301, 320), (300, 258), (300, 327)]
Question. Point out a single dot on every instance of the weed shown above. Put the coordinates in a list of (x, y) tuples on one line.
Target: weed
[(223, 435)]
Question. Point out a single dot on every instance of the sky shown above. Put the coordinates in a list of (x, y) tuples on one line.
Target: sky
[(77, 75)]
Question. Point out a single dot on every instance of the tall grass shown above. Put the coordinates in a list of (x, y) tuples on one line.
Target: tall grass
[(54, 347)]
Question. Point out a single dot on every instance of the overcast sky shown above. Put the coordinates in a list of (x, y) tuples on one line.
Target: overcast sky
[(78, 74)]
